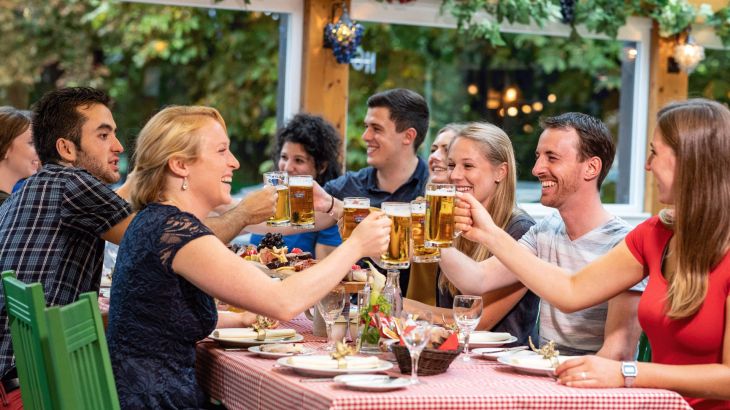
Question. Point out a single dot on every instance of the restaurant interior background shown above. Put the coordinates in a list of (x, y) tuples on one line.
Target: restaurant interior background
[(151, 55)]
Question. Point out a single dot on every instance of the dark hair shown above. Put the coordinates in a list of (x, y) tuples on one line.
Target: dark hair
[(319, 138), (407, 110), (593, 135), (56, 115), (13, 122)]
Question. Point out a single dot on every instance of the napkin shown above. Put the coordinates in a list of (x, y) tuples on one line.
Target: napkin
[(326, 362), (249, 333), (488, 337)]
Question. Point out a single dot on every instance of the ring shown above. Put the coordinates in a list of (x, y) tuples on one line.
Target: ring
[(583, 375)]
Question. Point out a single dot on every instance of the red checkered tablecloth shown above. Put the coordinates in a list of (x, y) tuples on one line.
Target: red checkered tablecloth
[(242, 380)]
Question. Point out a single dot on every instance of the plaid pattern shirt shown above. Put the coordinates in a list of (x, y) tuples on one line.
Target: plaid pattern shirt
[(50, 233)]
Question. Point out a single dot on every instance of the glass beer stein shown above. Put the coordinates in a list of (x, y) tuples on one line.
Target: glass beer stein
[(440, 215), (280, 180), (398, 256), (356, 209), (301, 199), (421, 253)]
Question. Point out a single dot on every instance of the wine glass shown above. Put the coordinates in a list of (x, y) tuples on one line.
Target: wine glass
[(467, 312), (330, 307), (416, 334)]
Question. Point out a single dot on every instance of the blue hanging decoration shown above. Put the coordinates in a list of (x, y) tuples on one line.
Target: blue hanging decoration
[(343, 37)]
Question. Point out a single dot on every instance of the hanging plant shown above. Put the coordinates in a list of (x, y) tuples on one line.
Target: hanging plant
[(599, 16)]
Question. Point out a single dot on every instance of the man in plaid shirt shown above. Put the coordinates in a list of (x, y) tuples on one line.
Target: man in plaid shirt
[(53, 230)]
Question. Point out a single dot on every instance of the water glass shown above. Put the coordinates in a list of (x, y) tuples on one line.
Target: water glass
[(467, 313), (416, 334), (330, 307)]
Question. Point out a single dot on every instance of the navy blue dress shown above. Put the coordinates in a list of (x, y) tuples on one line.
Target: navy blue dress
[(155, 315)]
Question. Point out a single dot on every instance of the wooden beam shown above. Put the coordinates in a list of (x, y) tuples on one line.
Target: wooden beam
[(324, 81), (664, 88)]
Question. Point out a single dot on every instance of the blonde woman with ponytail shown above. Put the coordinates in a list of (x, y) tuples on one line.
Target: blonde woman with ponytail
[(481, 161), (685, 309)]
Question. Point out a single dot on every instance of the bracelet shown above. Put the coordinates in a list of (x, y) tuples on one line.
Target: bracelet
[(332, 205)]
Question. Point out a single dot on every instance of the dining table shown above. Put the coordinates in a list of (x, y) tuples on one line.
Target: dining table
[(240, 379)]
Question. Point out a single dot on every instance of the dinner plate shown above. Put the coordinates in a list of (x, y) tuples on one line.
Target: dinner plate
[(486, 339), (532, 364), (319, 371), (275, 355), (235, 342), (372, 382), (492, 353)]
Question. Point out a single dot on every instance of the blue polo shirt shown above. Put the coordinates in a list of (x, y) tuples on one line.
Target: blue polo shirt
[(364, 183)]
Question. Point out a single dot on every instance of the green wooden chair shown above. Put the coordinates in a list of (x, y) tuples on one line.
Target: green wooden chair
[(80, 364), (644, 353), (25, 305)]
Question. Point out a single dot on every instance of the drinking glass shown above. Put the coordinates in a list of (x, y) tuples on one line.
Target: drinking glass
[(467, 312), (416, 334), (421, 253), (280, 180), (397, 256), (301, 198), (366, 343), (356, 209), (330, 307), (440, 215)]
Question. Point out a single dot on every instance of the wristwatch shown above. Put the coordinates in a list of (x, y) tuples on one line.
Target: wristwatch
[(629, 370)]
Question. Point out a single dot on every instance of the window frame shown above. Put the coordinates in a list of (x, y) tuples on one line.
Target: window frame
[(427, 13)]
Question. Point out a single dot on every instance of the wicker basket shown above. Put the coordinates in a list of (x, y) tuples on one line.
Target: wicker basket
[(431, 362)]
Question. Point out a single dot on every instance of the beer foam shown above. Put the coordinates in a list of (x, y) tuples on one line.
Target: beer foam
[(440, 192), (281, 187), (293, 181), (356, 206), (397, 211)]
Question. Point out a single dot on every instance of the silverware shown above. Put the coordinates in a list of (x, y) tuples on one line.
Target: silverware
[(317, 380), (506, 349)]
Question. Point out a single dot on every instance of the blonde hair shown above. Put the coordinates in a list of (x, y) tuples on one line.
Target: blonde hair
[(698, 131), (172, 132), (496, 147)]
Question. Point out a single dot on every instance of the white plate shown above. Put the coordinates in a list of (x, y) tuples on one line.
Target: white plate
[(372, 382), (233, 342), (532, 364), (483, 339), (276, 355), (318, 371), (492, 353)]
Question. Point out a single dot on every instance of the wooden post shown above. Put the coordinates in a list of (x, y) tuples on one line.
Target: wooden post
[(664, 87), (324, 81)]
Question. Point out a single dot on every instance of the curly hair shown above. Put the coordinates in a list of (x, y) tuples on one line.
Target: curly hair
[(319, 138)]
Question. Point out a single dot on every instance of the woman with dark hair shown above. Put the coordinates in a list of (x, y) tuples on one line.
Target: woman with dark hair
[(309, 145), (18, 157)]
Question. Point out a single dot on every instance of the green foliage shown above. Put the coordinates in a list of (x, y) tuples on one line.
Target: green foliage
[(599, 16), (146, 57)]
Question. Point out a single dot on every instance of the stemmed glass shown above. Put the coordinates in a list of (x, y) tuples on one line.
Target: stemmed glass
[(416, 334), (467, 312), (330, 307)]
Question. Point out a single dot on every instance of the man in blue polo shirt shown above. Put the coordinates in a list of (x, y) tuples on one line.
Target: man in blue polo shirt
[(395, 126)]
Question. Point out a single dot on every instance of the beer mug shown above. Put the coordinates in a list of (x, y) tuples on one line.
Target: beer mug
[(440, 215), (280, 180), (398, 256), (421, 253), (301, 199), (356, 209)]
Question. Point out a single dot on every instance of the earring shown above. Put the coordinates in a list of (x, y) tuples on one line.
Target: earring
[(496, 181), (184, 186)]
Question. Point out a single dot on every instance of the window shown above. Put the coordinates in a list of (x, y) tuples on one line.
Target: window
[(536, 73)]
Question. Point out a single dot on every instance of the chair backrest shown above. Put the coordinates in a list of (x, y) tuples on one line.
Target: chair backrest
[(80, 364), (644, 353), (25, 305)]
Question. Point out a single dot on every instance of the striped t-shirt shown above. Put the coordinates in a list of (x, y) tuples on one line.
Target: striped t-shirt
[(580, 332)]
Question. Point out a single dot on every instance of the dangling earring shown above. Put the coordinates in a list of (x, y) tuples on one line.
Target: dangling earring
[(184, 186)]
